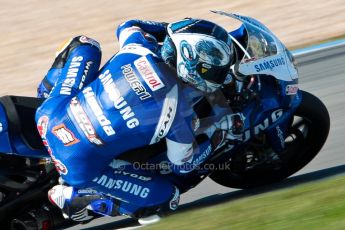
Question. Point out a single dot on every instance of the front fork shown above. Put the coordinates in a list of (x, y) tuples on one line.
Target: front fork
[(277, 133)]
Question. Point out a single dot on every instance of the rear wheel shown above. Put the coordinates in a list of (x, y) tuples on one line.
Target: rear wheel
[(24, 183), (305, 138)]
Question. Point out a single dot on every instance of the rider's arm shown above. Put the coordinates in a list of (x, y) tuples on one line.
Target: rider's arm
[(137, 31), (187, 156), (184, 149)]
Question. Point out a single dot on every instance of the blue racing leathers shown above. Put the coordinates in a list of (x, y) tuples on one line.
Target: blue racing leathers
[(91, 117)]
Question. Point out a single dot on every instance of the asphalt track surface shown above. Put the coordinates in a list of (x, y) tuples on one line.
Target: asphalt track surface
[(322, 73)]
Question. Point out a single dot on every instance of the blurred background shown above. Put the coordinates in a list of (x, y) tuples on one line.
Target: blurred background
[(31, 30)]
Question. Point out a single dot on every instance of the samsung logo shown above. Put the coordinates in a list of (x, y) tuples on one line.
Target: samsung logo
[(122, 185), (69, 81), (269, 65), (275, 115)]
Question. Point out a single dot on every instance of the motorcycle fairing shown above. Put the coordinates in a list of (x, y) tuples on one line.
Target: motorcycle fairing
[(20, 126), (264, 53)]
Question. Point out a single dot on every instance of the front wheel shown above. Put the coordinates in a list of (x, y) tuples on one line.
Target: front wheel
[(305, 137)]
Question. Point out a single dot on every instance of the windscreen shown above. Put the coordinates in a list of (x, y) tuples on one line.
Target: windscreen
[(259, 44), (264, 53)]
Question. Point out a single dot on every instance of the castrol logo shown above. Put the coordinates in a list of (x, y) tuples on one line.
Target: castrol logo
[(148, 74)]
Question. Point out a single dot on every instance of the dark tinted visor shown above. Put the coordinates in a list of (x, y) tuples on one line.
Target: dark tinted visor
[(215, 74)]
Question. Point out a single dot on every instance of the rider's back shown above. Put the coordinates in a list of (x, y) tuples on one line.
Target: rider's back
[(124, 108)]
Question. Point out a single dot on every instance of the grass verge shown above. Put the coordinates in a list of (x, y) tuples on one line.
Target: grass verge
[(317, 205)]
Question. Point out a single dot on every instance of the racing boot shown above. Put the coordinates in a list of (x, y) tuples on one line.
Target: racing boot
[(62, 56), (82, 205)]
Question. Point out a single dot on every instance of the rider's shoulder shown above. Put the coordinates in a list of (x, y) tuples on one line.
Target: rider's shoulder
[(156, 73)]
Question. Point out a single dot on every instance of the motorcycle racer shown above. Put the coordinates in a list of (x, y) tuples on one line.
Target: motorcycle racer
[(269, 150), (87, 118)]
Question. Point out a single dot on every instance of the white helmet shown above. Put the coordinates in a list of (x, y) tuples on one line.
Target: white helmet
[(200, 50)]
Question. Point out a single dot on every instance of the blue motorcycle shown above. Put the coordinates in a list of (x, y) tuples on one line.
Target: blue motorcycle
[(284, 129)]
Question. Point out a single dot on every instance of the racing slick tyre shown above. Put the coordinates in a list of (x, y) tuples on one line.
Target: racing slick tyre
[(304, 139)]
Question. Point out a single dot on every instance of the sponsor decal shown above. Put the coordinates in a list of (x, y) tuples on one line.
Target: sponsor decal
[(280, 135), (133, 175), (42, 126), (165, 125), (72, 73), (148, 74), (122, 185), (167, 115), (87, 191), (98, 112), (1, 128), (86, 71), (119, 102), (84, 39), (269, 65), (203, 156), (84, 122), (275, 115), (291, 89), (65, 135), (134, 82), (200, 159)]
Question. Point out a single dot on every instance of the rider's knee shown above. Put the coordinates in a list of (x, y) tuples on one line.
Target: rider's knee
[(71, 46), (80, 47)]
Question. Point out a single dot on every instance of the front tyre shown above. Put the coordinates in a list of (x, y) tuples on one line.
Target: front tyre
[(305, 137)]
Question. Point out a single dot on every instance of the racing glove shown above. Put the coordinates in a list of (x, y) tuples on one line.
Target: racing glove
[(229, 127)]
